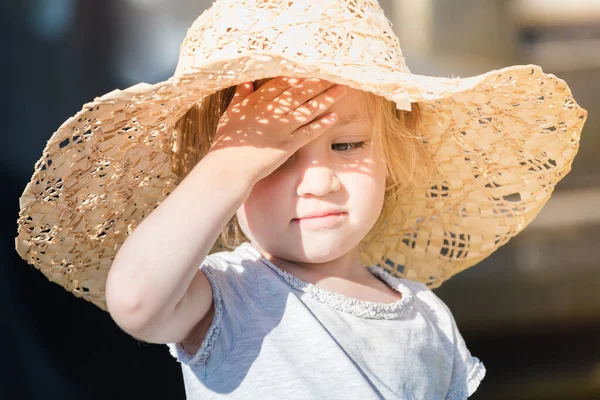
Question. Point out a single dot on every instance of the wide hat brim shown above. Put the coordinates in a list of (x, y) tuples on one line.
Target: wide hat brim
[(501, 141)]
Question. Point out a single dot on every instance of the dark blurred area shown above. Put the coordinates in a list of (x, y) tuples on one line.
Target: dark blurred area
[(530, 312)]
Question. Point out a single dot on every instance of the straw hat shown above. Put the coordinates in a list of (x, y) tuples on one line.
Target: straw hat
[(501, 142)]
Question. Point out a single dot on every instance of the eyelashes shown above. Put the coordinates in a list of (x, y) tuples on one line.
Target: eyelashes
[(348, 146), (339, 147)]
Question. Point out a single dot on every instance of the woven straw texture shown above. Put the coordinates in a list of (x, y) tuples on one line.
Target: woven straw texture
[(501, 142)]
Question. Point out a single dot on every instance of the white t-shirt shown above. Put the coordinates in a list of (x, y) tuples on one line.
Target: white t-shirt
[(274, 336)]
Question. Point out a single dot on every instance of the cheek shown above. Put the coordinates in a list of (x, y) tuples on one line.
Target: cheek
[(380, 175), (366, 190), (266, 196)]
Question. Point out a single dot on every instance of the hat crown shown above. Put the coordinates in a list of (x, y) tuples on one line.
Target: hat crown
[(353, 33)]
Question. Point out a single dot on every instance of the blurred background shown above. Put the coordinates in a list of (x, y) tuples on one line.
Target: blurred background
[(530, 312)]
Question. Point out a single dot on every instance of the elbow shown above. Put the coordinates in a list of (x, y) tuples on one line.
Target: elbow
[(127, 310)]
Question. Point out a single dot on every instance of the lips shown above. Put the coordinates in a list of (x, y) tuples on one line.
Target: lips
[(319, 214), (323, 221)]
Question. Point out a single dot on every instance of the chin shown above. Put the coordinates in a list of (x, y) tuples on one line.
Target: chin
[(320, 249)]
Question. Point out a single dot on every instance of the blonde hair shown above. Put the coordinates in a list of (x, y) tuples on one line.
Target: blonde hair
[(408, 161)]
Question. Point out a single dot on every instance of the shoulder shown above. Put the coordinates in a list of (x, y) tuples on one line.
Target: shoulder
[(233, 275), (238, 261), (431, 305)]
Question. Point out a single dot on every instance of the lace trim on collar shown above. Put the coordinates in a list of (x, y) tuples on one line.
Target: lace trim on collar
[(360, 308)]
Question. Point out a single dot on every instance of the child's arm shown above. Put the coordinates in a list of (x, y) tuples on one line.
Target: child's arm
[(154, 290)]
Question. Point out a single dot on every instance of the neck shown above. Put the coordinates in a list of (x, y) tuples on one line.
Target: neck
[(346, 267)]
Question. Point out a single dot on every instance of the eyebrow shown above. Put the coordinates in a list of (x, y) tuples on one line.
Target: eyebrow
[(349, 119)]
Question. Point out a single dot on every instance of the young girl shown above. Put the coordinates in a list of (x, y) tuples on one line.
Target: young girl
[(291, 312), (278, 211)]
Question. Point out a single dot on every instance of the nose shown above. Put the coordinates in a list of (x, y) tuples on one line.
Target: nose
[(318, 180)]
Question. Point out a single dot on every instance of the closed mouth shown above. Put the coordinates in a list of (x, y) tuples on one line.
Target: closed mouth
[(319, 216)]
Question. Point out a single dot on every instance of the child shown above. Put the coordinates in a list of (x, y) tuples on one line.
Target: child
[(291, 312), (308, 215)]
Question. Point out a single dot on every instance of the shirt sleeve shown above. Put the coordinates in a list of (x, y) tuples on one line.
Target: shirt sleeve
[(467, 371), (235, 289)]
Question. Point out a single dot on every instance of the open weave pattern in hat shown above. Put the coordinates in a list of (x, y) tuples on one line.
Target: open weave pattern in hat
[(501, 141)]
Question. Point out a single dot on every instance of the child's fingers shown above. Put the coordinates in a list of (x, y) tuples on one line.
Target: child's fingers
[(298, 96), (318, 105), (306, 133), (242, 91), (275, 87)]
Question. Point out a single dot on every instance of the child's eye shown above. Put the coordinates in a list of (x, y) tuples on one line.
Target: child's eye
[(348, 146)]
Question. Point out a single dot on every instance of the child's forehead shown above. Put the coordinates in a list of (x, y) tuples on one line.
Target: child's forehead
[(351, 108), (350, 118)]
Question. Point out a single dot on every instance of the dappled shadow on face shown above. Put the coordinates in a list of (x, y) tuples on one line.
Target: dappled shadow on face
[(275, 113)]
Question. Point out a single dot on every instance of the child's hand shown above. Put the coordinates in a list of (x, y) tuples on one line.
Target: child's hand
[(261, 129)]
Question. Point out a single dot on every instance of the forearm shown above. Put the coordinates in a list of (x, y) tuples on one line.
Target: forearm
[(156, 264)]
